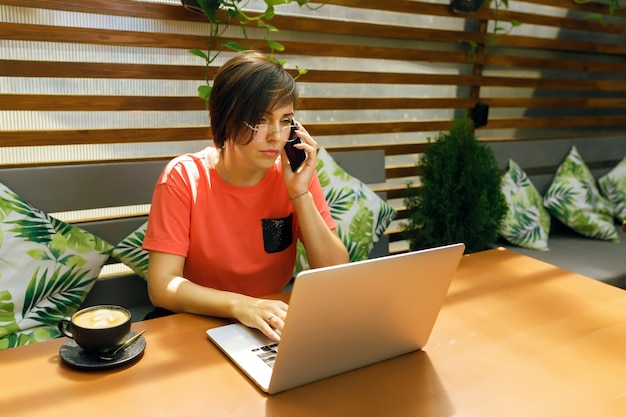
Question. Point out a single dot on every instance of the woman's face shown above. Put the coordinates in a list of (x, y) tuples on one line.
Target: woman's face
[(269, 140)]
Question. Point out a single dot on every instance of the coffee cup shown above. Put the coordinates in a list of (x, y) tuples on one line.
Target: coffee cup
[(98, 329)]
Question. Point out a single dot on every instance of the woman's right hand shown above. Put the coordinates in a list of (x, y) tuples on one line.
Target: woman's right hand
[(266, 315), (168, 289)]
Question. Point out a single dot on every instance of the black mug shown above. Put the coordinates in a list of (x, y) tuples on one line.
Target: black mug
[(98, 329)]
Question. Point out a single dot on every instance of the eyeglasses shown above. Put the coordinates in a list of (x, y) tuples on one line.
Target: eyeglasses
[(263, 131)]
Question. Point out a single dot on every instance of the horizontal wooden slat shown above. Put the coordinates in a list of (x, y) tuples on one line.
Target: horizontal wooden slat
[(100, 136), (556, 122), (153, 103), (13, 68), (92, 70), (588, 66), (99, 103), (591, 7), (561, 45), (360, 103), (394, 149), (548, 83), (505, 15), (122, 103), (92, 136), (402, 172), (549, 102), (395, 192), (113, 8), (96, 36), (95, 136), (391, 149)]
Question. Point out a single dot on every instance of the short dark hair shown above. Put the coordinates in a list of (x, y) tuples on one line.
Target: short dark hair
[(244, 89)]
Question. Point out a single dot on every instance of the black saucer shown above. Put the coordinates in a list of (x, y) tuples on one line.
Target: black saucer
[(73, 355)]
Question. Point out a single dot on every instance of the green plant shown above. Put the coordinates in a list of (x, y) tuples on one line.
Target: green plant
[(460, 199), (614, 5), (491, 38), (225, 13)]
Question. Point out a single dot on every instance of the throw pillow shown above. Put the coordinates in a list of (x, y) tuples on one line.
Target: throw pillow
[(527, 222), (130, 253), (574, 199), (47, 267), (361, 215), (613, 186)]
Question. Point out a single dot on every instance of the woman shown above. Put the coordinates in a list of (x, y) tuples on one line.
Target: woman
[(224, 221)]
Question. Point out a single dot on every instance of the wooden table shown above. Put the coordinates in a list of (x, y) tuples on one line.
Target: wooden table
[(516, 337)]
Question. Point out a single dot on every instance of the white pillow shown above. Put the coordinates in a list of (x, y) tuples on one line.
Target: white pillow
[(527, 222), (574, 199), (361, 215), (47, 268), (613, 186), (130, 252)]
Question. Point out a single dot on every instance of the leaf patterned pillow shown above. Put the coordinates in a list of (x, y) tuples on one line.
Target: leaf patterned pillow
[(130, 253), (613, 186), (47, 267), (574, 199), (527, 222), (361, 216)]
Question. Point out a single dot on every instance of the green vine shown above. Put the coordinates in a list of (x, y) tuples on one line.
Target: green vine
[(491, 39), (233, 13), (614, 6)]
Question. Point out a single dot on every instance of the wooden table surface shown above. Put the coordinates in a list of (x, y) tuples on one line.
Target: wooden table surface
[(516, 337)]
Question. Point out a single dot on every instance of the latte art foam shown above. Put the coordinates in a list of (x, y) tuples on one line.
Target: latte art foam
[(101, 318)]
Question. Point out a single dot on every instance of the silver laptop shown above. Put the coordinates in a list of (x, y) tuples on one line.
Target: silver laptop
[(345, 317)]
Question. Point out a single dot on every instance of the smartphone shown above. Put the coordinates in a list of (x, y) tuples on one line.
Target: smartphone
[(296, 156)]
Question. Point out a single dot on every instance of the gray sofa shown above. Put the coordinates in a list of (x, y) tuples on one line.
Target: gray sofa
[(601, 260)]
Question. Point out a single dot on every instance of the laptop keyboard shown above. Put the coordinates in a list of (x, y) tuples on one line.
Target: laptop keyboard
[(267, 353)]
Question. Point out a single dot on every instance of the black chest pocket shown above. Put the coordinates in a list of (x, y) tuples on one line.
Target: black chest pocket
[(277, 233)]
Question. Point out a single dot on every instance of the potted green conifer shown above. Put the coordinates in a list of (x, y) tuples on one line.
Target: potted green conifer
[(460, 197)]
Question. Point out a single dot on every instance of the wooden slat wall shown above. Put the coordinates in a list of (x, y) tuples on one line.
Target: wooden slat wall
[(382, 75)]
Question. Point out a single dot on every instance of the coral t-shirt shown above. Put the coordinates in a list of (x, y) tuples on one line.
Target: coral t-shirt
[(239, 239)]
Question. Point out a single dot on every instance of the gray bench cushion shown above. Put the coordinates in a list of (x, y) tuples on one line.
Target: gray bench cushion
[(601, 260)]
